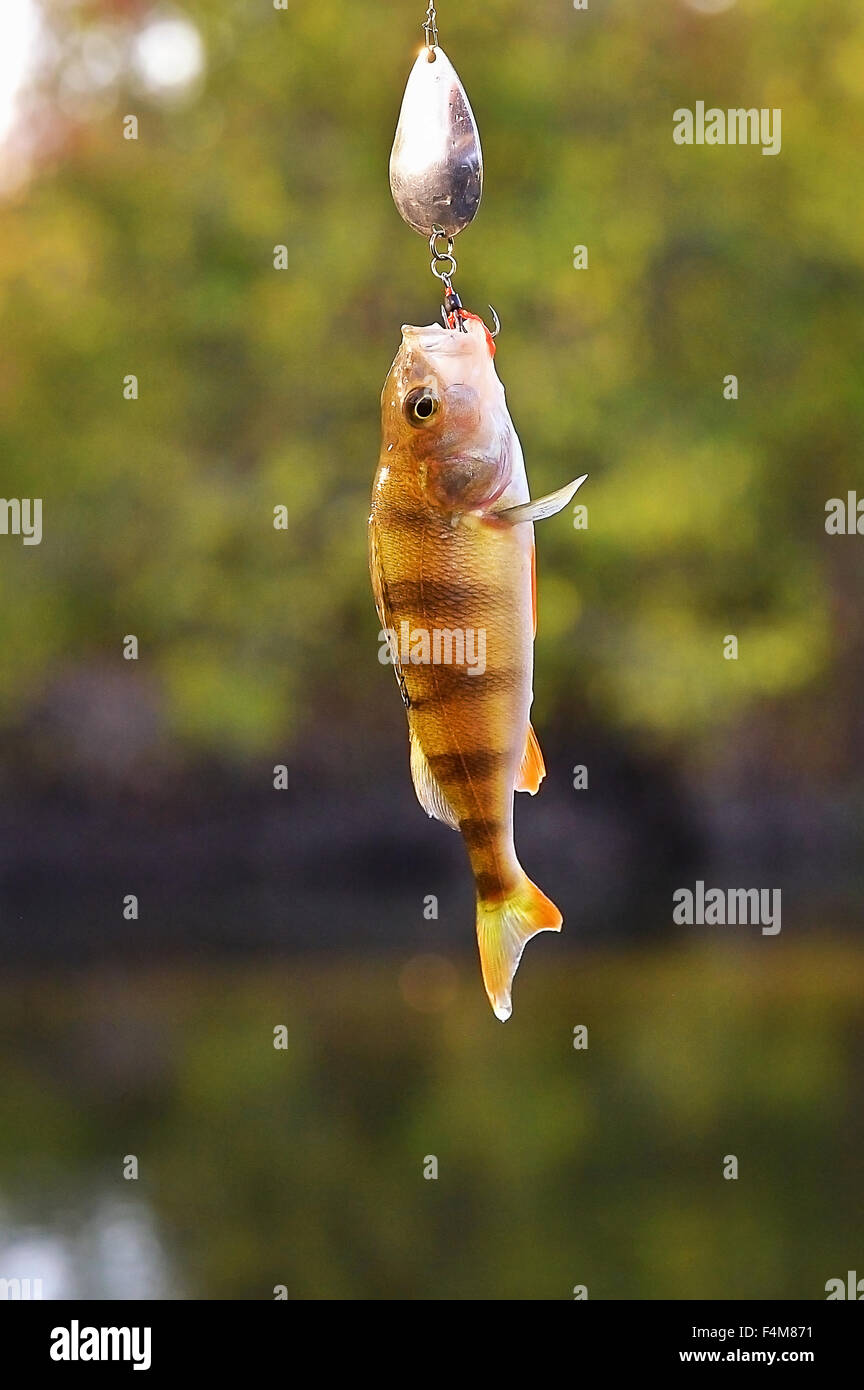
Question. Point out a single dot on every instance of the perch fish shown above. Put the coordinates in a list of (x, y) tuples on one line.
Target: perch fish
[(451, 549)]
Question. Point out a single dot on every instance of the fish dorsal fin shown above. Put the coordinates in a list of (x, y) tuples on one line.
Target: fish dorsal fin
[(428, 789), (539, 509), (533, 768)]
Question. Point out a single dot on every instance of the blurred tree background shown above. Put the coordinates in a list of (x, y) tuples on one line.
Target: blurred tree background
[(259, 387)]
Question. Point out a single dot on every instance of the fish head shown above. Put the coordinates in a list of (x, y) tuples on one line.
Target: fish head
[(444, 414)]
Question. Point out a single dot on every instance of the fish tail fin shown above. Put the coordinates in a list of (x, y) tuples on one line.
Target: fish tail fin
[(503, 928)]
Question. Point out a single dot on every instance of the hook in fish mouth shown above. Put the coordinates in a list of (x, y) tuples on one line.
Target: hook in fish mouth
[(447, 341), (493, 333)]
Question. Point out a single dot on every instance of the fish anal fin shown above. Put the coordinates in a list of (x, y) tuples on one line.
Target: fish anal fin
[(428, 788), (533, 768)]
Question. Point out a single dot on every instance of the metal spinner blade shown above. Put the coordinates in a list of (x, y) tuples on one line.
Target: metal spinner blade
[(436, 165)]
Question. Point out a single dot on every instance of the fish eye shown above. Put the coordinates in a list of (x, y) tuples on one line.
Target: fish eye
[(421, 405)]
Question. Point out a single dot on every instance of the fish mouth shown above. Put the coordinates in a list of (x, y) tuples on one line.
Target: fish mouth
[(431, 338)]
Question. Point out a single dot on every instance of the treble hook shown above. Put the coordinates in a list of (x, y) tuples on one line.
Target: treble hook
[(454, 311)]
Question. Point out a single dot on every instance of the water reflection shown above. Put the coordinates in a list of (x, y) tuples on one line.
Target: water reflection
[(107, 1249), (303, 1165)]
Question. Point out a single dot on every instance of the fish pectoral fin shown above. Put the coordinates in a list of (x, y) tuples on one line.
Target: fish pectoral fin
[(427, 787), (541, 507), (533, 768)]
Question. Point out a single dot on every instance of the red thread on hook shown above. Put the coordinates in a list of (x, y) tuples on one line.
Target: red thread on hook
[(466, 314)]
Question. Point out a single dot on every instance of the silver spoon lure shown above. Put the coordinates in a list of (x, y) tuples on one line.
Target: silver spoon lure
[(436, 163)]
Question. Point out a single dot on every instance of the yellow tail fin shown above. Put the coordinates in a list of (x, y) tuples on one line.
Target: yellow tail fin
[(502, 931)]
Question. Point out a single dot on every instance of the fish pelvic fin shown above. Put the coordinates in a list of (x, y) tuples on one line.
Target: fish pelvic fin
[(503, 928), (428, 788), (533, 768), (538, 509)]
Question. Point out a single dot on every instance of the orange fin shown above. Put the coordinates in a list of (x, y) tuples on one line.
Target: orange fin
[(503, 928), (533, 768)]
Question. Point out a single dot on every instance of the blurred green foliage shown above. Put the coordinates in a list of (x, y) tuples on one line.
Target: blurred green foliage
[(556, 1167), (260, 387)]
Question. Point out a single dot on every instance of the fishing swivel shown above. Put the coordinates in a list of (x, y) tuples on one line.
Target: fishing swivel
[(443, 266), (431, 31)]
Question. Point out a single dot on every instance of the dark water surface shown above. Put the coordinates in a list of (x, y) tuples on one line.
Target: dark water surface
[(303, 1166)]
